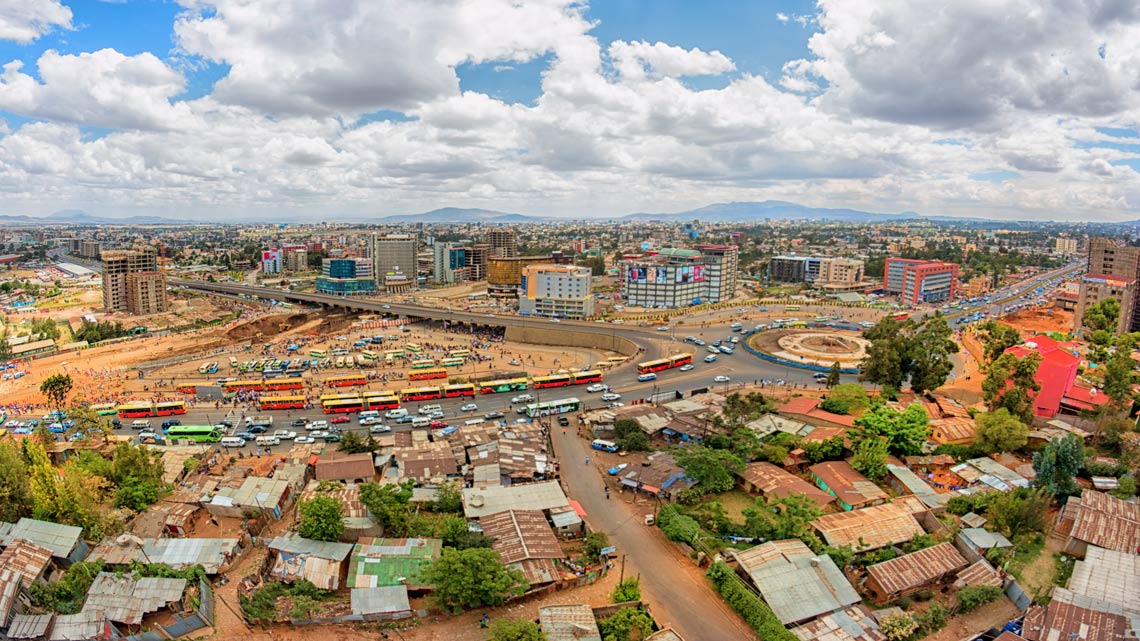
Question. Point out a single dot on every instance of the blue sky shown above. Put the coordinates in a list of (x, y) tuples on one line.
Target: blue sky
[(897, 105)]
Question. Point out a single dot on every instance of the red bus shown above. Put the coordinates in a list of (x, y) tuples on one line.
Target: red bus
[(586, 377), (420, 394), (427, 374), (347, 380), (282, 384), (187, 388), (282, 402), (676, 360), (554, 380), (382, 400), (343, 405), (900, 316), (242, 386), (169, 408), (459, 389), (136, 409)]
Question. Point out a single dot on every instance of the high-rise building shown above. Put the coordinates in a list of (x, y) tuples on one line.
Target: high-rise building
[(920, 281), (346, 277), (502, 241), (393, 255), (296, 259), (1097, 287), (449, 263), (815, 270), (271, 261), (723, 268), (504, 275), (1108, 258), (477, 256), (561, 291), (674, 277), (132, 282), (1066, 246)]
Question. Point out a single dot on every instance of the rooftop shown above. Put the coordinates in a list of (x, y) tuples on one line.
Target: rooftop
[(1072, 617), (848, 485), (125, 599), (27, 558), (60, 539), (392, 599), (854, 623), (1107, 522), (521, 534), (483, 501), (391, 562), (1108, 575), (292, 543), (569, 623), (776, 483), (345, 467), (796, 584), (983, 539), (179, 554), (917, 568), (876, 527)]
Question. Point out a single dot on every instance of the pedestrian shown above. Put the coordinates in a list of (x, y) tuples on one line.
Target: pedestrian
[(587, 460)]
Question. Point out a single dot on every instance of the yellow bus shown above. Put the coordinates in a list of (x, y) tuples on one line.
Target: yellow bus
[(104, 409), (427, 374), (504, 385), (413, 348), (282, 403), (338, 397), (423, 363), (459, 353), (791, 308)]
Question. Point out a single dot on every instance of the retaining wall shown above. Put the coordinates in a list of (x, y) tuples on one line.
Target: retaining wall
[(571, 338)]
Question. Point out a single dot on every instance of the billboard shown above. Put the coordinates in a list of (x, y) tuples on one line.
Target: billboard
[(636, 275), (690, 274)]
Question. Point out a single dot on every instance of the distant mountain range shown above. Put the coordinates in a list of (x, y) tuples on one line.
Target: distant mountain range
[(456, 215), (769, 209), (79, 217)]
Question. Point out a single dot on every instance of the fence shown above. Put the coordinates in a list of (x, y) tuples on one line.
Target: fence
[(783, 361), (1017, 595)]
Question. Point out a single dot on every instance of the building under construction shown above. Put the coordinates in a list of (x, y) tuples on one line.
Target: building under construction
[(132, 282)]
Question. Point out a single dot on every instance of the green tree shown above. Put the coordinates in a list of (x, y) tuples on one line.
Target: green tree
[(449, 498), (820, 451), (906, 432), (1102, 316), (788, 517), (713, 469), (322, 519), (871, 458), (55, 389), (852, 395), (1118, 377), (1000, 431), (1057, 465), (389, 505), (1125, 489), (629, 437), (1011, 383), (515, 630), (136, 470), (885, 363), (998, 337), (833, 375), (15, 487), (622, 624), (472, 578), (454, 532), (898, 627), (1018, 512), (626, 590), (595, 542), (929, 355), (356, 443)]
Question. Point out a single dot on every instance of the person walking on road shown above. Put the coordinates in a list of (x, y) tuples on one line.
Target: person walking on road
[(587, 460)]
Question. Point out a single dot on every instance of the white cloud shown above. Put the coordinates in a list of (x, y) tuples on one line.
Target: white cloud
[(104, 88), (636, 59), (25, 20), (782, 17)]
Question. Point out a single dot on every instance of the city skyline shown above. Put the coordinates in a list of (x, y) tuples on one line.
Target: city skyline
[(208, 110)]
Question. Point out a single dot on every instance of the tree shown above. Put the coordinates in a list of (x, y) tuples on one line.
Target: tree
[(1018, 512), (998, 337), (55, 389), (834, 374), (455, 534), (629, 437), (1118, 377), (788, 517), (972, 596), (851, 395), (595, 542), (1101, 319), (713, 469), (621, 625), (905, 432), (136, 470), (1000, 431), (871, 458), (389, 505), (15, 488), (820, 451), (898, 627), (929, 355), (449, 498), (884, 364), (355, 443), (1057, 465), (515, 630), (472, 578), (627, 590), (1010, 383), (1125, 489), (322, 519)]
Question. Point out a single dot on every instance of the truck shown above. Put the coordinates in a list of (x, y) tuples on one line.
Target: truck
[(264, 421)]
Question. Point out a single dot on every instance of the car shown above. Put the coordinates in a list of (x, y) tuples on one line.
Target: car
[(515, 362), (300, 422), (285, 435), (337, 420), (469, 407), (690, 339), (116, 423), (596, 387), (615, 405), (22, 430), (613, 471), (171, 423), (685, 368), (386, 306), (378, 428), (819, 376), (428, 409), (716, 343), (711, 358), (663, 328), (493, 415), (611, 396), (318, 434), (333, 437), (405, 419), (721, 379), (13, 424), (563, 421), (149, 435), (256, 429), (712, 350), (735, 340), (317, 425), (434, 414), (226, 423), (249, 436), (645, 378), (304, 439), (699, 343), (369, 420), (436, 425)]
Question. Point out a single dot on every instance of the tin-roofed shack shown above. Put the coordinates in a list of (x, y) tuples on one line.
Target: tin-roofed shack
[(253, 495), (483, 501), (1076, 616), (337, 466), (524, 539), (391, 562), (319, 562), (913, 572), (1097, 519), (850, 488), (65, 541), (869, 528), (796, 583), (569, 623), (772, 483)]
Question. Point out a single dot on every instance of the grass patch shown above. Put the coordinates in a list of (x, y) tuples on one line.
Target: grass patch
[(734, 503), (1063, 568), (1025, 551)]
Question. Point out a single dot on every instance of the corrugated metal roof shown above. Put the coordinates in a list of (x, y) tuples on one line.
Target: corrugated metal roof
[(537, 571), (386, 562), (10, 581), (875, 526), (29, 626), (60, 539), (1107, 522), (27, 558), (1072, 616), (983, 539), (481, 501), (346, 467), (521, 534), (917, 568), (1108, 575), (390, 599), (993, 468), (125, 599), (668, 634), (776, 483), (179, 554), (849, 624), (771, 423), (797, 584), (296, 544), (255, 492), (87, 625), (569, 623), (979, 573)]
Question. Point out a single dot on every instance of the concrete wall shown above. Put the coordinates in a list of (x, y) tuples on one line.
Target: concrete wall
[(570, 338)]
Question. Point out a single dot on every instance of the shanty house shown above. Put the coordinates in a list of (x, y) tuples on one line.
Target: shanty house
[(524, 540), (850, 488), (391, 562), (214, 555), (1108, 575), (772, 483), (31, 561), (358, 468), (321, 563), (1097, 519), (1075, 616), (796, 583), (256, 494), (912, 572), (65, 541), (358, 521), (869, 528), (853, 623), (569, 623), (127, 600)]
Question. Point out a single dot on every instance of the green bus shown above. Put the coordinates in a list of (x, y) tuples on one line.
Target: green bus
[(459, 353), (423, 364), (199, 433), (318, 353), (105, 409), (549, 408), (452, 362), (413, 348)]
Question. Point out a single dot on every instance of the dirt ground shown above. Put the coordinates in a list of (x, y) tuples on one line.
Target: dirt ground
[(1040, 321), (990, 615)]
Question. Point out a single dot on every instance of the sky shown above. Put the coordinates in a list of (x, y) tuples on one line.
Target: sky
[(263, 110)]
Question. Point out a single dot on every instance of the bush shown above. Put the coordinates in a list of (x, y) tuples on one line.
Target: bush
[(745, 602), (621, 625), (626, 591), (595, 541), (898, 627), (973, 596), (515, 630), (682, 528), (934, 619), (304, 607)]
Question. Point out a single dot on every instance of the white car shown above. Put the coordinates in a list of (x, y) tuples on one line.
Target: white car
[(615, 405), (610, 396), (304, 439), (369, 420), (428, 409), (721, 379), (285, 435), (685, 368), (470, 407), (317, 425), (596, 387), (318, 434), (527, 398), (379, 429)]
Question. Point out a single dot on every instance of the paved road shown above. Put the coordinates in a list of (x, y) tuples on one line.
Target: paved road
[(678, 593)]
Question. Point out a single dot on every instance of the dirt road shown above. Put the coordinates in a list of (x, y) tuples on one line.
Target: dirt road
[(677, 591)]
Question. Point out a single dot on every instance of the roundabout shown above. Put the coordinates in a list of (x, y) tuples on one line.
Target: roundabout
[(819, 347)]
